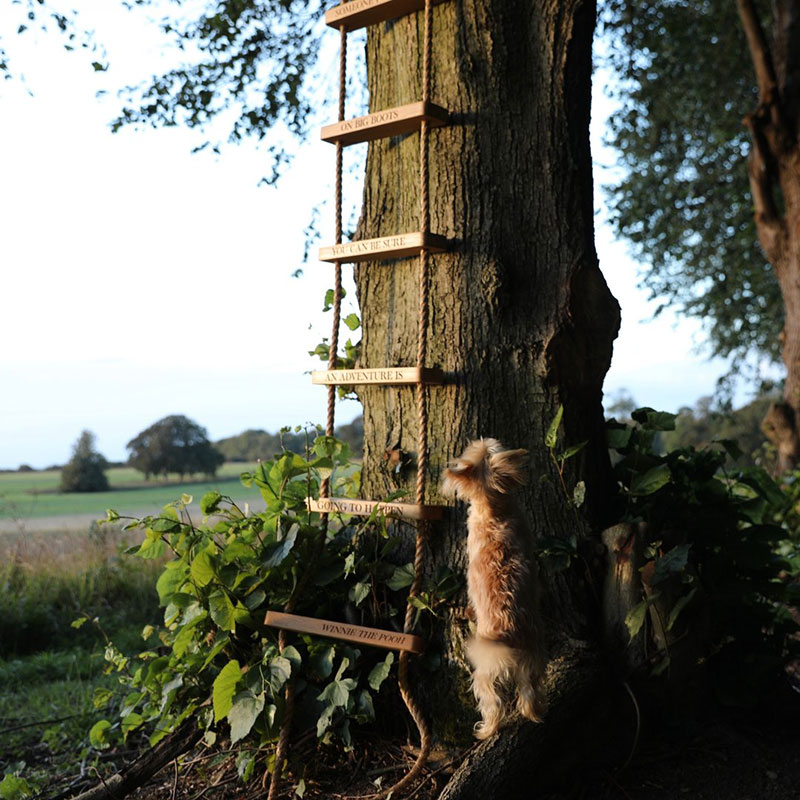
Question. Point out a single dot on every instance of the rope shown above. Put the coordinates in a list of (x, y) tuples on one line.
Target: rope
[(324, 489), (422, 421)]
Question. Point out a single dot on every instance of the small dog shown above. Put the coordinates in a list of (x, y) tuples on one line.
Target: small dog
[(501, 582)]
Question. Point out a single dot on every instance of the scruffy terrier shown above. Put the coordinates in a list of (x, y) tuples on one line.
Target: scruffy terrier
[(501, 582)]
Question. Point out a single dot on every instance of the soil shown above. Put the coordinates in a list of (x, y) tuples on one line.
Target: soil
[(734, 759)]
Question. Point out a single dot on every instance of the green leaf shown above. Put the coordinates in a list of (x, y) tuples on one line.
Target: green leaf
[(102, 697), (352, 321), (359, 592), (275, 554), (202, 569), (678, 607), (337, 693), (98, 735), (245, 764), (401, 577), (672, 562), (222, 610), (653, 420), (365, 710), (571, 451), (130, 723), (634, 619), (731, 447), (79, 623), (243, 714), (618, 438), (651, 481), (280, 669), (293, 657), (210, 503), (380, 672), (321, 662), (224, 689), (551, 436), (12, 787), (170, 581)]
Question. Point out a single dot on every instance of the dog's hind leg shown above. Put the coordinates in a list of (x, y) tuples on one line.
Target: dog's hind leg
[(530, 702), (490, 704)]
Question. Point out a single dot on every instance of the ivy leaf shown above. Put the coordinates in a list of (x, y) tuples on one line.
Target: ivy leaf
[(571, 451), (678, 607), (243, 714), (359, 593), (278, 551), (98, 735), (380, 672), (401, 577), (552, 431), (130, 723), (224, 688), (634, 619), (321, 663), (651, 481), (352, 321), (170, 581), (280, 669), (210, 503), (202, 569), (222, 610), (671, 562)]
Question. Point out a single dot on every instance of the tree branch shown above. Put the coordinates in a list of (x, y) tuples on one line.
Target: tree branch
[(769, 224), (759, 51)]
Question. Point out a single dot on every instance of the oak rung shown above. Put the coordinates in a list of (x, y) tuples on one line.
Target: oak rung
[(389, 640), (382, 124), (357, 14), (385, 376), (385, 247), (363, 508)]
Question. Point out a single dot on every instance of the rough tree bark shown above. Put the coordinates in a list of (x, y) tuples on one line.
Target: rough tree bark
[(521, 317), (774, 170)]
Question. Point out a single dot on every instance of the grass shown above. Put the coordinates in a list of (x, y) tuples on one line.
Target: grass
[(26, 496), (48, 669)]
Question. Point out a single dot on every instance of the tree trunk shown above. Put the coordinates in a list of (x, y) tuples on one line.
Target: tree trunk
[(774, 170), (521, 319)]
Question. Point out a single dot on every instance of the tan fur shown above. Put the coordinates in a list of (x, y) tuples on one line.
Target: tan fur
[(501, 582)]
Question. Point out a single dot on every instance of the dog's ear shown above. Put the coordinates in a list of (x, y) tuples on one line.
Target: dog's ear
[(507, 470)]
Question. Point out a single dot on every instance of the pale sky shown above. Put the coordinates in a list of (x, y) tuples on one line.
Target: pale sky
[(139, 280)]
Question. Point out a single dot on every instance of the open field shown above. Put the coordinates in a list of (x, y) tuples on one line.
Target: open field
[(31, 500)]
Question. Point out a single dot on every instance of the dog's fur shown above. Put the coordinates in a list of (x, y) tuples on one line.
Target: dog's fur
[(501, 582)]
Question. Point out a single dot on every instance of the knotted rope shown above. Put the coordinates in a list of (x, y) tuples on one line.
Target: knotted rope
[(422, 416), (422, 420)]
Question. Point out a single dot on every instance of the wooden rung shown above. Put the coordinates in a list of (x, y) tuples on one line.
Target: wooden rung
[(385, 247), (389, 640), (363, 508), (386, 376), (359, 13), (382, 124)]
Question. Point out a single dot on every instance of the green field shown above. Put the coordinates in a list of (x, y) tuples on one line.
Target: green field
[(31, 495)]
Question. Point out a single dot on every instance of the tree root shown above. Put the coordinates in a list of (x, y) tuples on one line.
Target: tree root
[(589, 723)]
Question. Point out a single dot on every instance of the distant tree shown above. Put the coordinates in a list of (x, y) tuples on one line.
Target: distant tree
[(254, 443), (704, 424), (85, 471), (174, 444), (25, 468)]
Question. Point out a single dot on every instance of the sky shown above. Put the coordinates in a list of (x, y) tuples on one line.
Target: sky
[(141, 280)]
